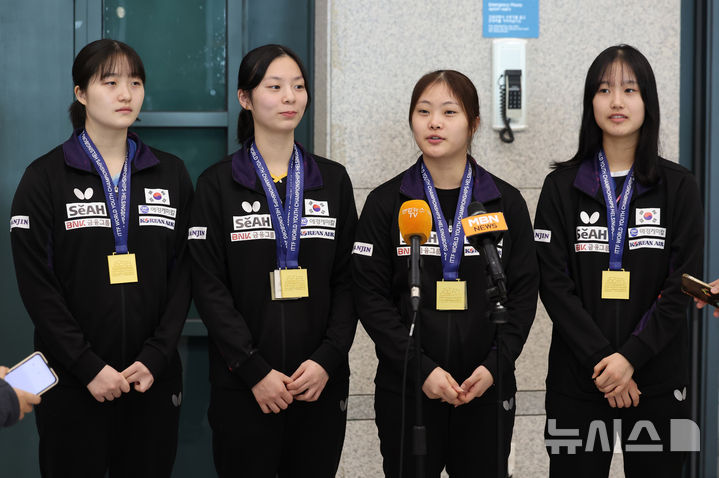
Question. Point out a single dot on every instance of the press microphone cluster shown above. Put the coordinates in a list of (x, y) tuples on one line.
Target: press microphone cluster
[(483, 230), (415, 226)]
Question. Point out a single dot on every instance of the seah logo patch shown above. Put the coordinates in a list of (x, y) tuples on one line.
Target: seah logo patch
[(157, 196), (85, 209), (650, 216), (21, 222), (251, 221), (592, 233), (316, 208)]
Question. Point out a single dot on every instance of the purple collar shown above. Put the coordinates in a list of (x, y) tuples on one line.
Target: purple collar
[(484, 189), (243, 171), (75, 156), (587, 180)]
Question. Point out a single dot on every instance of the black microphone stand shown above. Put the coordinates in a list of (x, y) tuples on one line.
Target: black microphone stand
[(497, 295), (419, 432)]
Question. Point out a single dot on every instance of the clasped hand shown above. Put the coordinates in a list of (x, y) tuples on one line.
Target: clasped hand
[(613, 377), (276, 391), (109, 384), (440, 384)]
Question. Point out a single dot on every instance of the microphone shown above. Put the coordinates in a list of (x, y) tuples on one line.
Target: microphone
[(415, 225), (482, 229)]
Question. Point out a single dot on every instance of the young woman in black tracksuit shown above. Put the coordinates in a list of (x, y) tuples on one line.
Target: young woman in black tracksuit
[(98, 233), (271, 237), (616, 227), (459, 354)]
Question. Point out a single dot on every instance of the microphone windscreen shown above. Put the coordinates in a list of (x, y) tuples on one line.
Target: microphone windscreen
[(415, 219), (479, 221)]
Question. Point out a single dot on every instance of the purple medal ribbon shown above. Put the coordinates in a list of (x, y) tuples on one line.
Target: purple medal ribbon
[(285, 221), (451, 254), (616, 217), (116, 202)]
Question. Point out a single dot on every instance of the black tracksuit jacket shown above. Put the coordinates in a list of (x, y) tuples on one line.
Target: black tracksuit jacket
[(664, 239), (460, 340), (61, 238), (233, 246)]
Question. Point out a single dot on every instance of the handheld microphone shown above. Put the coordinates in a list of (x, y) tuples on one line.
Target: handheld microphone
[(482, 229), (415, 225)]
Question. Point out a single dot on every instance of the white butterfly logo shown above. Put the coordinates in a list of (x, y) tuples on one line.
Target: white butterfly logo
[(587, 219), (83, 196), (254, 207)]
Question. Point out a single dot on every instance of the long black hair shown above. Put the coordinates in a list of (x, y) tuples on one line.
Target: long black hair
[(100, 58), (252, 69), (590, 135)]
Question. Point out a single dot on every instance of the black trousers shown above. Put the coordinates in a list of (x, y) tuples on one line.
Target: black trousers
[(132, 436), (580, 436), (303, 441), (462, 439)]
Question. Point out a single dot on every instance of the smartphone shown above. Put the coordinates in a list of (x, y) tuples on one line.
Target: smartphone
[(701, 290), (32, 375)]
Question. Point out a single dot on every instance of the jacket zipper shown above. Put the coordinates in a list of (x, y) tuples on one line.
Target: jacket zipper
[(616, 324), (124, 326), (446, 348), (284, 341)]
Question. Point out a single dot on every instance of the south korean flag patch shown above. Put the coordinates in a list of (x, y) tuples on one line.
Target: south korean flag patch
[(650, 215), (157, 196), (316, 208)]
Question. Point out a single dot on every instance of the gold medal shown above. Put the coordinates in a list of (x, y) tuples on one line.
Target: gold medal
[(289, 284), (615, 284), (452, 295), (122, 268)]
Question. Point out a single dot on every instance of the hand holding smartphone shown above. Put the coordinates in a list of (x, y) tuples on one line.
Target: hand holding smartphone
[(699, 290), (32, 375)]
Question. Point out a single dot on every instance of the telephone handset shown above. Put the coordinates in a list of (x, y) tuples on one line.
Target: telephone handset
[(511, 102)]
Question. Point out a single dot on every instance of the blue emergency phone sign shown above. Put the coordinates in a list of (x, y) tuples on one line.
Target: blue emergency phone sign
[(517, 19)]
